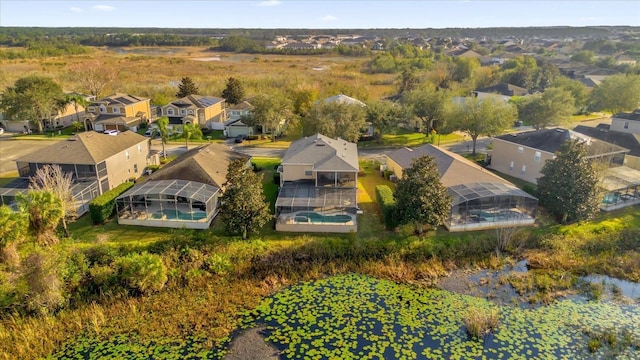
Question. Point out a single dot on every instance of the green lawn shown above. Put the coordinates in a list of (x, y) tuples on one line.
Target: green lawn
[(403, 137)]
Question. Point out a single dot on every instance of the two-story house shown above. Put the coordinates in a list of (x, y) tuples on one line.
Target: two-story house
[(522, 155), (626, 122), (117, 112), (318, 186), (206, 111), (234, 126), (97, 162)]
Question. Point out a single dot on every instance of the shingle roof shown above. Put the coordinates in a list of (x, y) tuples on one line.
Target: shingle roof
[(550, 140), (124, 99), (197, 101), (454, 169), (324, 153), (87, 148), (504, 89), (626, 140), (635, 116), (206, 164)]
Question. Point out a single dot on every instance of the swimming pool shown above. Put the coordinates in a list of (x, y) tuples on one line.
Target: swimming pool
[(314, 217), (179, 215)]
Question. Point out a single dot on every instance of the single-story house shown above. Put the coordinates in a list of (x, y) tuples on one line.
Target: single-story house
[(481, 199), (184, 193), (502, 91)]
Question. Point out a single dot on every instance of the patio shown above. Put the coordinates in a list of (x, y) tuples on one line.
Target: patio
[(621, 187)]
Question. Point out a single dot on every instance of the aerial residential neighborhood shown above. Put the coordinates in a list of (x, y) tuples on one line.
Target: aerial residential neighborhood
[(314, 180)]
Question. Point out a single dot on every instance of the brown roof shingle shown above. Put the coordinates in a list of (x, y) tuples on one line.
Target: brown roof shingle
[(87, 148)]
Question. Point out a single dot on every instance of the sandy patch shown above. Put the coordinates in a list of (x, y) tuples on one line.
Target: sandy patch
[(251, 345)]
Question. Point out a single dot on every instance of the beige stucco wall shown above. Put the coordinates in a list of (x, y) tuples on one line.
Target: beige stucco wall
[(296, 172), (215, 113), (632, 161), (121, 169), (504, 153), (393, 166), (618, 125), (325, 228)]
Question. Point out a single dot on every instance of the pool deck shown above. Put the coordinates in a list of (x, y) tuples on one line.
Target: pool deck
[(287, 223)]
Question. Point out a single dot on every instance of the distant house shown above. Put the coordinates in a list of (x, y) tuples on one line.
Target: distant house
[(522, 155), (481, 199), (234, 126), (183, 194), (344, 99), (205, 111), (318, 192), (502, 91), (626, 122), (464, 53), (97, 162), (59, 118), (117, 112)]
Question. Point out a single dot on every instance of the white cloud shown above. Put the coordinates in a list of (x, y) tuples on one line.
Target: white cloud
[(75, 9), (268, 3), (103, 8), (329, 18)]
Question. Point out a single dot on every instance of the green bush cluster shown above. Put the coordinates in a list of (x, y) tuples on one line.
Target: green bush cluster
[(102, 207), (384, 196)]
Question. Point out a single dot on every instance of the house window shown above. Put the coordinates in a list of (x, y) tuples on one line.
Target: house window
[(135, 168), (126, 152), (169, 111), (190, 112), (182, 112), (520, 149), (537, 156), (626, 124), (524, 169), (116, 110), (308, 173), (511, 166), (103, 109)]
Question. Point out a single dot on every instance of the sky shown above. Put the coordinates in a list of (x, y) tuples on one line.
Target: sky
[(344, 14)]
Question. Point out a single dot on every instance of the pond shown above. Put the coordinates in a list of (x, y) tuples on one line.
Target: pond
[(359, 317)]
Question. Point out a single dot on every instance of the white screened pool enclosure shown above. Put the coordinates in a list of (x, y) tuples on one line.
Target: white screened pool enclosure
[(169, 203), (489, 205), (303, 207)]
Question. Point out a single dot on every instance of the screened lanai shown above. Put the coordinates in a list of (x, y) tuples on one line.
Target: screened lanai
[(82, 191), (620, 187), (486, 205), (169, 203), (301, 206)]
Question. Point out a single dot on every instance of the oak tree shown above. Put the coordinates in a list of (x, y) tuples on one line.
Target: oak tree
[(243, 207), (568, 188), (420, 197)]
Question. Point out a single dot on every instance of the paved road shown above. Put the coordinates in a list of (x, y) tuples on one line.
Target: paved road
[(13, 149)]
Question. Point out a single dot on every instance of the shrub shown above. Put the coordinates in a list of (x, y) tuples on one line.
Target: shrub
[(276, 178), (143, 273), (218, 264), (252, 137), (481, 322), (153, 168), (384, 196), (102, 207)]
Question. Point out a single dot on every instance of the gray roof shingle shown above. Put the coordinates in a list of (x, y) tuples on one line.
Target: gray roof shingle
[(324, 153)]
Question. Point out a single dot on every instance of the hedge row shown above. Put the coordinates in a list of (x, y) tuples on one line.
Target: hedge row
[(102, 207), (384, 196)]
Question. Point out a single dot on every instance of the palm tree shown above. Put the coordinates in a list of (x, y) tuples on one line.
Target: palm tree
[(44, 210), (76, 100), (163, 128)]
